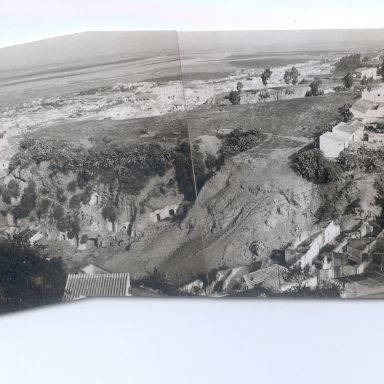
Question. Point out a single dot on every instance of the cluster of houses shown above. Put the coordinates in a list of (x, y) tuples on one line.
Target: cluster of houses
[(367, 112), (333, 254)]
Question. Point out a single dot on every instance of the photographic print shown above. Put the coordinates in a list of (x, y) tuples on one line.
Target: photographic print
[(192, 164)]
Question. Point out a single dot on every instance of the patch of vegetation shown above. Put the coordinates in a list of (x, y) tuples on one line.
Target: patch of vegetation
[(58, 212), (315, 89), (27, 202), (234, 97), (72, 185), (240, 141), (28, 279), (298, 277), (43, 206), (348, 80), (291, 76), (266, 75), (314, 167), (158, 281), (110, 213), (347, 64), (345, 112), (11, 190), (378, 128)]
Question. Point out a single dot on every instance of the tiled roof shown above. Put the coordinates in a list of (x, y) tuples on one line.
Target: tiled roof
[(271, 277), (79, 286)]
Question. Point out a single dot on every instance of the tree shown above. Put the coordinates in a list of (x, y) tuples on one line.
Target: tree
[(348, 80), (28, 278), (345, 112), (234, 97), (58, 212), (287, 76), (364, 80), (239, 86), (265, 76), (291, 75), (297, 276), (110, 213), (294, 75), (27, 203), (315, 87), (381, 69)]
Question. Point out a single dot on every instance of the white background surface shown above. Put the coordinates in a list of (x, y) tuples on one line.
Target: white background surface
[(190, 341)]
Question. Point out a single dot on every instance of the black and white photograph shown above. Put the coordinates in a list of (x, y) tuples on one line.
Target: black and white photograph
[(192, 164)]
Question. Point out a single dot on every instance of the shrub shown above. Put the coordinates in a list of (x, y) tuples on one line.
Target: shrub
[(64, 224), (110, 213), (84, 239), (58, 212), (75, 202), (13, 186), (42, 207), (234, 97), (61, 198), (348, 80), (72, 185), (313, 166), (27, 203), (239, 141)]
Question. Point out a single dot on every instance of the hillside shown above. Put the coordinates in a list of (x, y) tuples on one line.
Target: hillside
[(91, 180)]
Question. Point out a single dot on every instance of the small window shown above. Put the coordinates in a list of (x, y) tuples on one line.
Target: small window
[(158, 217)]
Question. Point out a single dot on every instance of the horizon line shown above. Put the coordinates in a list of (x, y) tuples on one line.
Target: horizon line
[(70, 33)]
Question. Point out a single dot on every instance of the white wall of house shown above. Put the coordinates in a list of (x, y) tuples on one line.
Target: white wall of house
[(368, 72), (375, 95), (95, 199), (36, 237), (330, 145), (3, 142), (325, 237), (4, 164)]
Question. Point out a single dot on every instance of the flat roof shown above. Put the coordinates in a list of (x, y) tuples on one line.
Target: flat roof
[(349, 127), (333, 136), (364, 105)]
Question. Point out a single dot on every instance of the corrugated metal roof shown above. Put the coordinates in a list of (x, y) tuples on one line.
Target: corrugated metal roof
[(79, 286)]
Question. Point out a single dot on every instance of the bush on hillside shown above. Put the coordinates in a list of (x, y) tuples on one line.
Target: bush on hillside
[(314, 167), (239, 141), (27, 202)]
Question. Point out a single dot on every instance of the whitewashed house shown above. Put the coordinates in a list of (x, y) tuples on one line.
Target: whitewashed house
[(342, 136), (3, 141), (375, 94), (165, 213), (367, 72), (370, 108)]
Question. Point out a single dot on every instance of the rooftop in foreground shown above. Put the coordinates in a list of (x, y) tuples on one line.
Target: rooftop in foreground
[(80, 286)]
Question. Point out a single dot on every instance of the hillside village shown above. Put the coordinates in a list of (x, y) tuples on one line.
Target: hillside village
[(325, 258), (77, 215)]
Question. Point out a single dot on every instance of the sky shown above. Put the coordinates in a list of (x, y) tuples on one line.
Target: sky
[(28, 20)]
